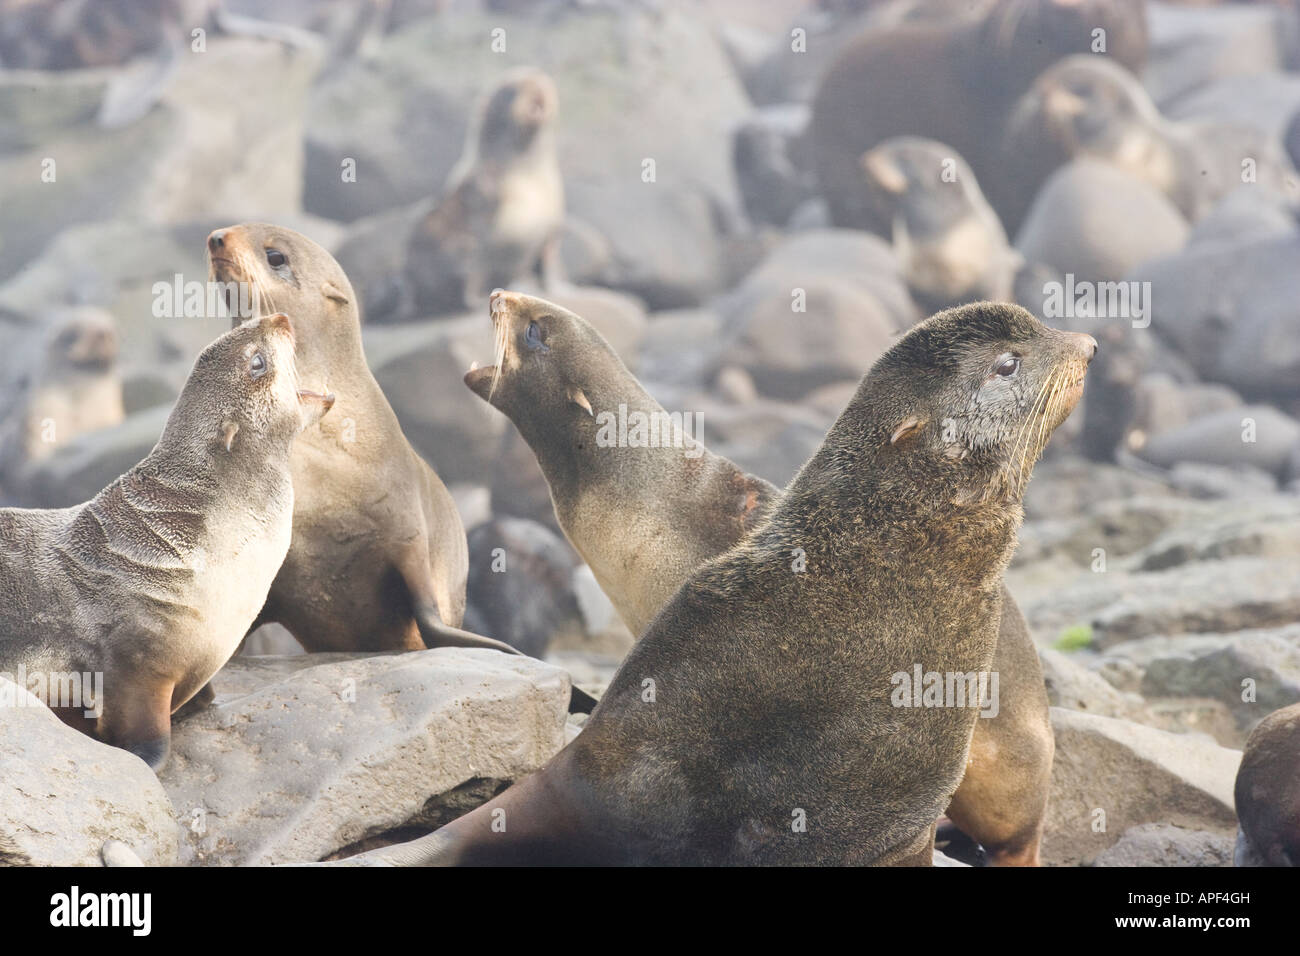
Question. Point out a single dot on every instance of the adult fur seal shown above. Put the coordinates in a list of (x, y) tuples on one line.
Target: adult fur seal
[(952, 80), (154, 582), (378, 559), (760, 719), (1267, 792), (644, 518)]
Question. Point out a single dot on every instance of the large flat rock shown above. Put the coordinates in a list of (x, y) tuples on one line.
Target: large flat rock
[(300, 757), (63, 795)]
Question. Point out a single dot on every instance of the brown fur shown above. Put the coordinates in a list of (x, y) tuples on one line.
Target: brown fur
[(953, 80), (378, 553), (1267, 792), (154, 582), (645, 519), (770, 690)]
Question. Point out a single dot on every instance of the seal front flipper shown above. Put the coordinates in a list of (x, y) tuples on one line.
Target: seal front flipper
[(142, 724)]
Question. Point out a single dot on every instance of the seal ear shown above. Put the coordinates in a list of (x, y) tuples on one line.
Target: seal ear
[(906, 429), (229, 430), (331, 291), (579, 398)]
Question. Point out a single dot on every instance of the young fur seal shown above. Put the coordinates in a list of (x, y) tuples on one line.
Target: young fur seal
[(378, 560), (154, 582), (645, 518), (502, 203), (762, 716), (953, 80), (949, 242)]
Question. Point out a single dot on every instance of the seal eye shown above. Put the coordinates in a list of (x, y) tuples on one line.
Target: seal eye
[(257, 366), (1007, 366), (533, 336), (275, 258)]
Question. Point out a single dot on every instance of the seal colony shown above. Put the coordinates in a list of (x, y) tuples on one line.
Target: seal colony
[(753, 723), (645, 518), (154, 582)]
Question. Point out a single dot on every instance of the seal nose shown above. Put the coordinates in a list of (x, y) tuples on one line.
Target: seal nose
[(217, 240), (499, 300), (1087, 344)]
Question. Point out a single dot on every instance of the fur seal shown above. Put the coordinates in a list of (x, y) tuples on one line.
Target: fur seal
[(154, 582), (754, 721), (378, 560), (70, 387), (645, 518), (1091, 107), (949, 241), (953, 80), (502, 203), (1267, 793)]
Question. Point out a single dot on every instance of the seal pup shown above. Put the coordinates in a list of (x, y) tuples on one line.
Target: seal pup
[(949, 241), (760, 717), (953, 80), (154, 582), (1267, 793), (70, 386), (379, 558), (645, 518), (502, 203)]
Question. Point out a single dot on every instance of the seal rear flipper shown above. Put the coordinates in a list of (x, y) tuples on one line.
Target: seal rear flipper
[(436, 634), (198, 702)]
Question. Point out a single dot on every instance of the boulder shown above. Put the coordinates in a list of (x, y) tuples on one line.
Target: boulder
[(298, 759), (66, 794), (1163, 844), (225, 138), (1097, 223), (1110, 775)]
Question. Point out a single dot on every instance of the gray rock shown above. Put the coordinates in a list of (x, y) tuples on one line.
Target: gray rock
[(298, 759), (82, 468), (225, 139), (66, 794), (1110, 775), (854, 302), (1270, 662), (421, 367), (1207, 596), (404, 124), (1163, 844), (1259, 436), (1098, 223), (520, 585), (1259, 527), (1219, 481), (1072, 685)]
